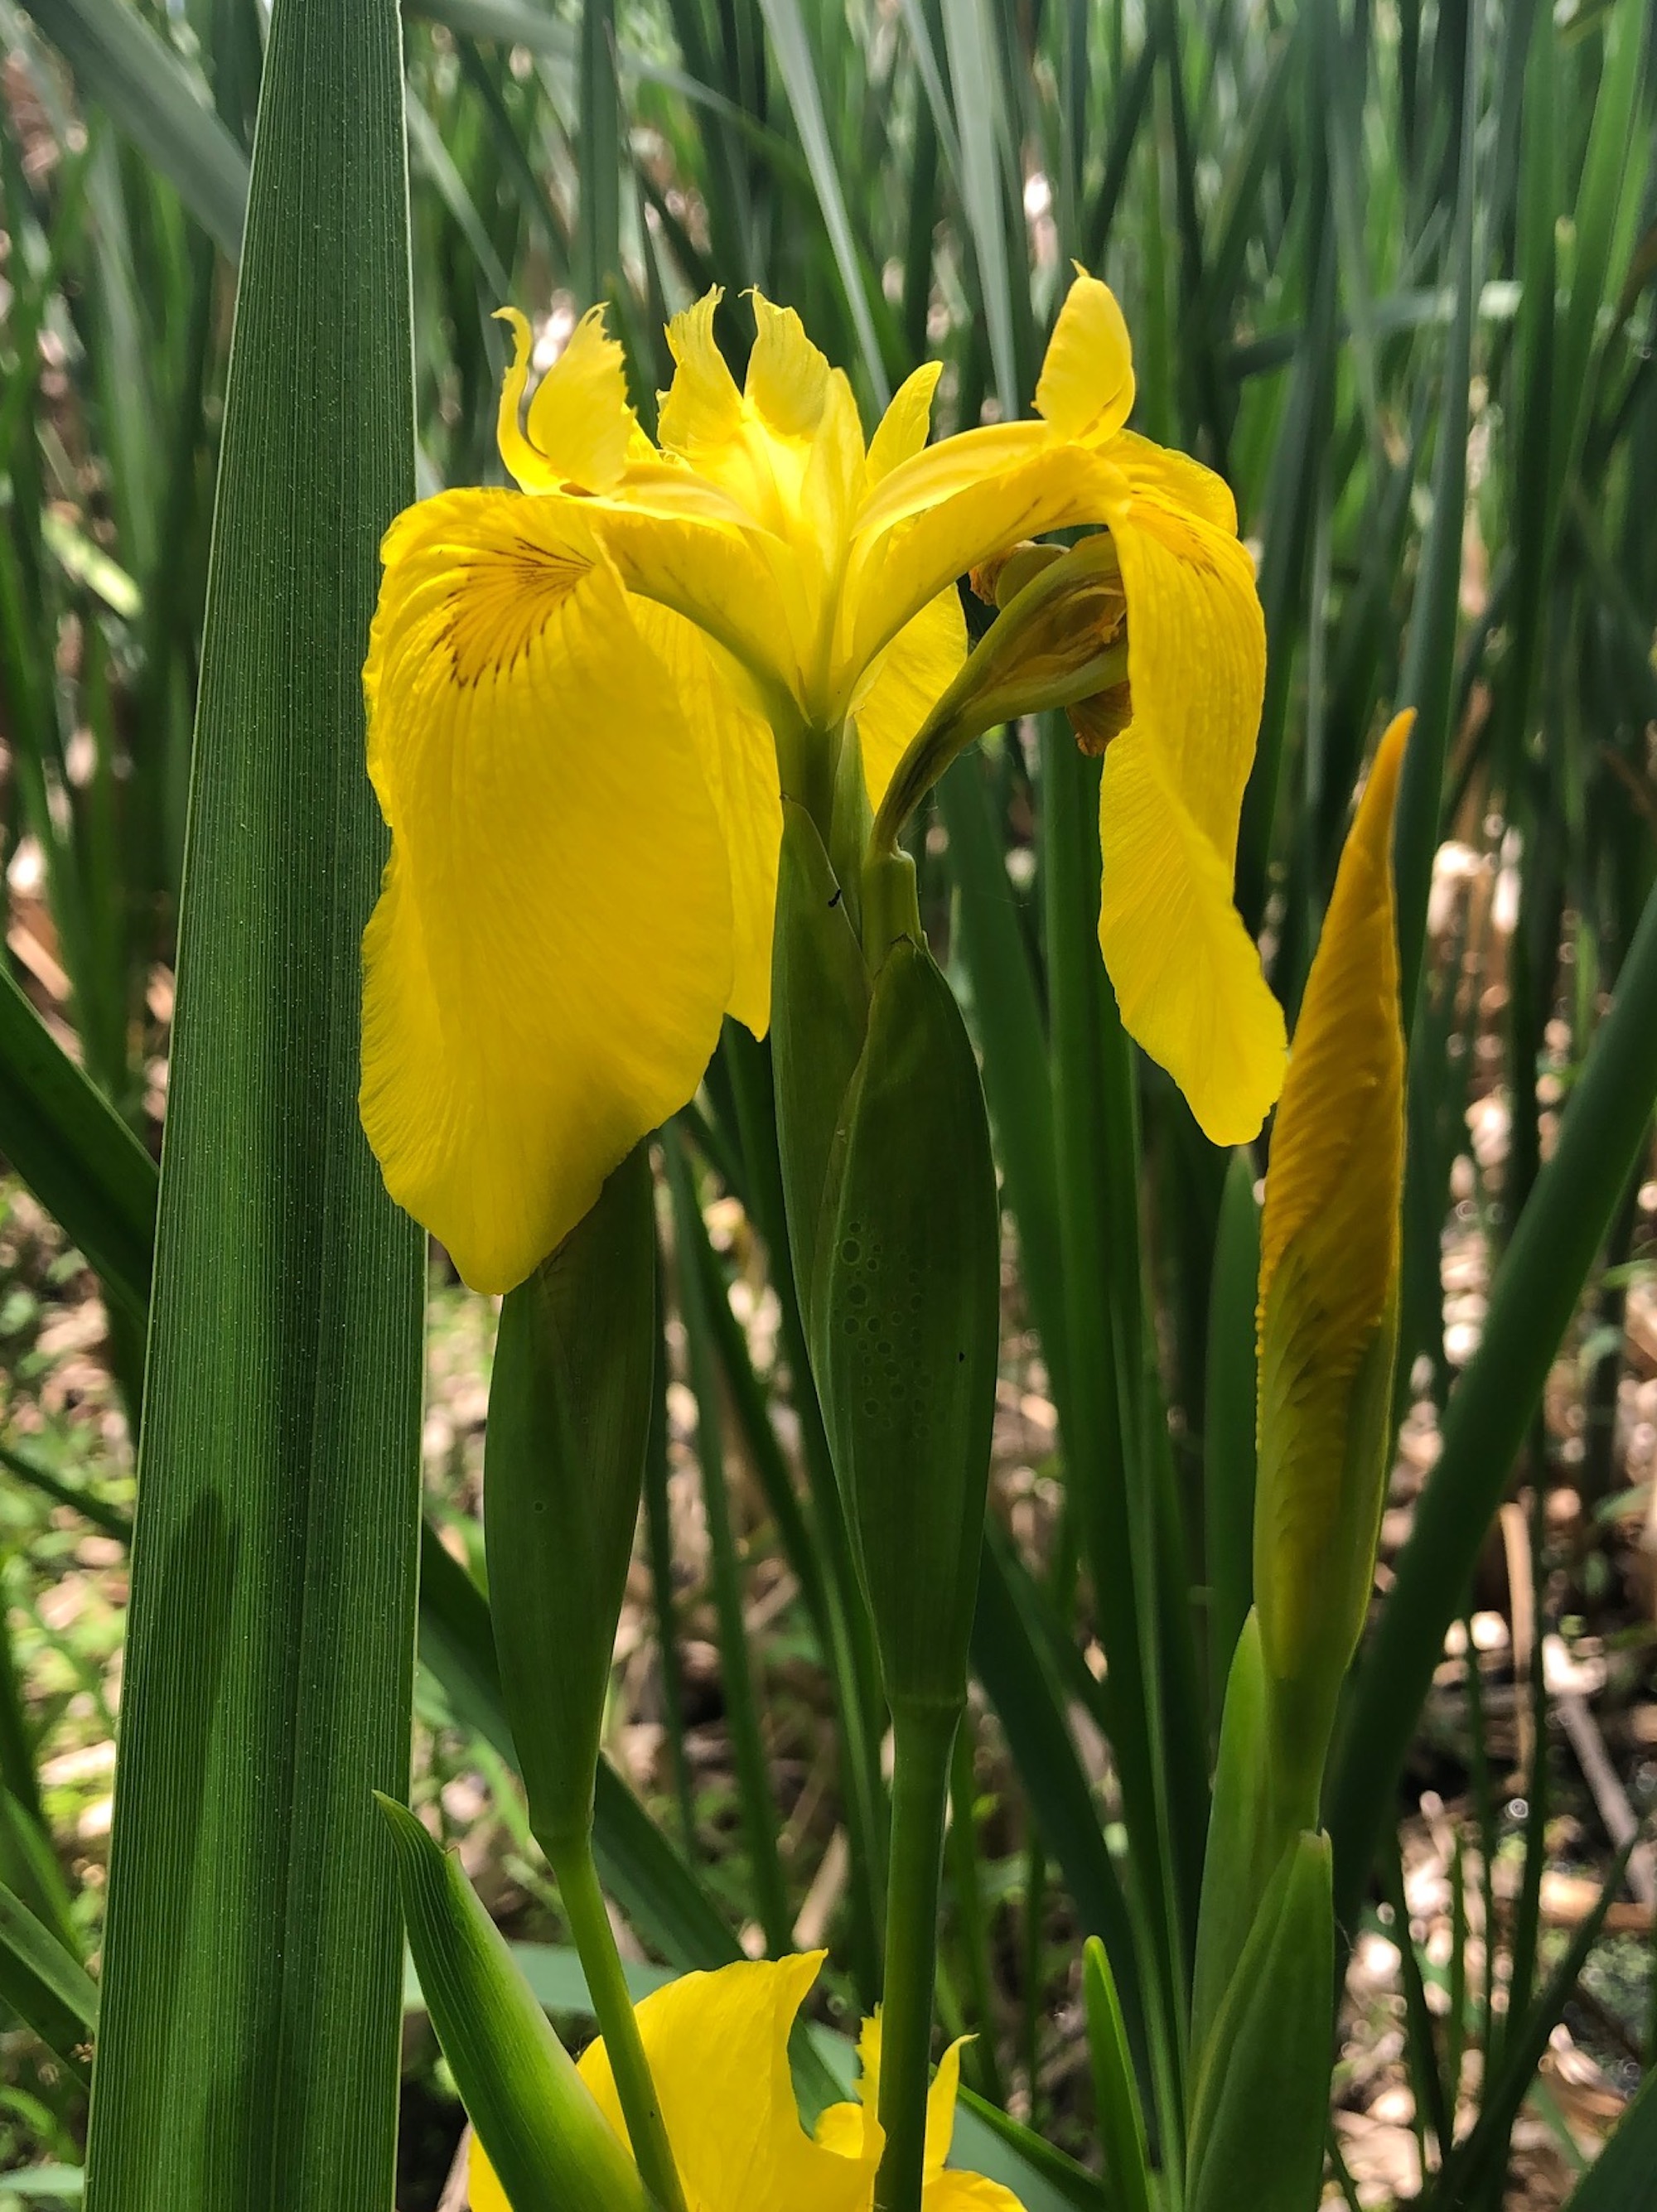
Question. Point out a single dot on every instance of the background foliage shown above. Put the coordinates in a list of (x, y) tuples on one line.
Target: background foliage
[(1389, 268)]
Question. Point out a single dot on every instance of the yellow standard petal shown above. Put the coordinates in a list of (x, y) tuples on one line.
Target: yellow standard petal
[(1186, 974), (580, 425), (903, 427), (1086, 387), (553, 946), (853, 2130), (1329, 1262), (917, 667)]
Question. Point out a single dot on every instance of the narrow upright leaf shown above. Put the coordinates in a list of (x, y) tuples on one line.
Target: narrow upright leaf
[(249, 2047)]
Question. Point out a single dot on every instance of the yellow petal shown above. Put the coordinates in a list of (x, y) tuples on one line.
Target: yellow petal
[(904, 426), (738, 758), (531, 469), (701, 409), (1086, 387), (717, 2047), (940, 2105), (552, 953), (1180, 481), (918, 666), (1196, 655), (483, 2189), (1186, 975), (580, 418), (896, 571), (965, 2192), (788, 377)]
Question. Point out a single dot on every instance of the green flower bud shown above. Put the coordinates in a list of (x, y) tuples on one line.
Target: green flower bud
[(570, 1413), (909, 1326)]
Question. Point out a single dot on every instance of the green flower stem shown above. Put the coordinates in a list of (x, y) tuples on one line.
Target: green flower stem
[(923, 1739), (612, 2004)]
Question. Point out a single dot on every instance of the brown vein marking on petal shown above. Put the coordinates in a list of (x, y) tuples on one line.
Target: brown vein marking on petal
[(509, 595), (1100, 718)]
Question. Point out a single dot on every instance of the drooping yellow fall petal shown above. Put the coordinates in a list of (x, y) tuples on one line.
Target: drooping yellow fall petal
[(1329, 1263), (738, 758), (1188, 977), (917, 668), (1086, 386), (554, 947)]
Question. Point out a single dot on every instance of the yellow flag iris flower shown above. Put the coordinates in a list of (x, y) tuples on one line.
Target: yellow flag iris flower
[(584, 696), (717, 2047)]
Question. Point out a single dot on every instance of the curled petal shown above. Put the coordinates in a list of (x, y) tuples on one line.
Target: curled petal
[(553, 949), (1086, 387), (1186, 975)]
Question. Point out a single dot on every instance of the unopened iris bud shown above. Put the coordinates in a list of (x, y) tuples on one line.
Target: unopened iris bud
[(911, 1324), (570, 1413), (1327, 1317), (1061, 637)]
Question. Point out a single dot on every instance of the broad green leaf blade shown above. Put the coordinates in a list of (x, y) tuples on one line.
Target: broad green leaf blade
[(546, 2137), (45, 1985), (65, 1141), (122, 62), (249, 2049), (1531, 1302)]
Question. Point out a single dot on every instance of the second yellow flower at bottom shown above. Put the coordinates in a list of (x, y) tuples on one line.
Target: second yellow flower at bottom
[(718, 2046)]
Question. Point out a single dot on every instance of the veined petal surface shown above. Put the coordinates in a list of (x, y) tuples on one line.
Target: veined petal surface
[(554, 947)]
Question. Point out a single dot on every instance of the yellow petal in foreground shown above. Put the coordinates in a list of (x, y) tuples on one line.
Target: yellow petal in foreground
[(717, 2047), (1187, 977), (553, 946), (1329, 1262)]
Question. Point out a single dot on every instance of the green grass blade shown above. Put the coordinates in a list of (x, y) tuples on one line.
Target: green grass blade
[(1228, 1425), (68, 1144), (46, 1986), (122, 62), (248, 2054), (793, 49), (1532, 1302), (968, 37)]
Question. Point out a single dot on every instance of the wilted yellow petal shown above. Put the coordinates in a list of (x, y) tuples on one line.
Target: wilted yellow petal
[(552, 953), (1329, 1263), (1186, 975), (919, 665), (717, 2047), (904, 426), (1086, 388)]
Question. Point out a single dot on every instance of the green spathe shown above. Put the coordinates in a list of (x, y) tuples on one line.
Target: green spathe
[(569, 1414), (552, 2147), (1261, 2104), (820, 1007), (910, 1327)]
